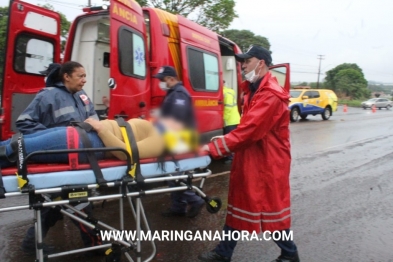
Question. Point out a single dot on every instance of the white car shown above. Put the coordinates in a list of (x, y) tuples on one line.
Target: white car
[(378, 102)]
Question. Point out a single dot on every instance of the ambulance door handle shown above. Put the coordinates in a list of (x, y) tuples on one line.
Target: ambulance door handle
[(220, 102)]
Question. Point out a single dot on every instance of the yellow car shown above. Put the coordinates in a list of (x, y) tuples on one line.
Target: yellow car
[(306, 102)]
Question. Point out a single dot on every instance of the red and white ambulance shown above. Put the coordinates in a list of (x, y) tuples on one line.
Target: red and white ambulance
[(121, 46)]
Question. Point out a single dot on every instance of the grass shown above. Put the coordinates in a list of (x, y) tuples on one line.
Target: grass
[(352, 103)]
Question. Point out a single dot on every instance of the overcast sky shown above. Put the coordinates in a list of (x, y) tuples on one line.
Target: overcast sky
[(344, 31)]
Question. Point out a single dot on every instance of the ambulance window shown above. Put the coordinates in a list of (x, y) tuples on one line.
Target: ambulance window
[(211, 72), (203, 70), (132, 54), (32, 55), (103, 30), (315, 94)]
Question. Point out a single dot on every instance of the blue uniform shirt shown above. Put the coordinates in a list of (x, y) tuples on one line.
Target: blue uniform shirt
[(178, 104)]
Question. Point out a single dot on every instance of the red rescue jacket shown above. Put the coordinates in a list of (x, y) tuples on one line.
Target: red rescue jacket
[(259, 191)]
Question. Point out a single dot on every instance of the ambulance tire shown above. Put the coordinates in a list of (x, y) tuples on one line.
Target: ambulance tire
[(294, 115), (327, 112), (213, 205)]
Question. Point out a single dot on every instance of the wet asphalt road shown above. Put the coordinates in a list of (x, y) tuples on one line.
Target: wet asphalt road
[(342, 200)]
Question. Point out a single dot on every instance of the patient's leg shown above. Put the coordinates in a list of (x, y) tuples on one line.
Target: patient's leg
[(50, 139)]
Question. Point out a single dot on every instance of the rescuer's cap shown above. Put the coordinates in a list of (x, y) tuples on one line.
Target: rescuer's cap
[(49, 69), (165, 71), (257, 52)]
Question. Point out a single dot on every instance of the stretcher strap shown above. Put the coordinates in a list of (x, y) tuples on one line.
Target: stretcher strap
[(131, 146), (14, 146), (81, 127), (18, 145), (72, 143)]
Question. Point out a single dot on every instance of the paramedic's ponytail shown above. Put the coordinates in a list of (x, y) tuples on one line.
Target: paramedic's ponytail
[(54, 76)]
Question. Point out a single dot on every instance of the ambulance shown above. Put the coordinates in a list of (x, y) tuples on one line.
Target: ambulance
[(121, 46)]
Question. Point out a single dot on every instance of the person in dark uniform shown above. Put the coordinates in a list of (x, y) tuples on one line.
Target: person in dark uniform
[(177, 107)]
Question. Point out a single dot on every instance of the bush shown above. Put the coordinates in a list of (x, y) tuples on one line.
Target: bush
[(352, 103)]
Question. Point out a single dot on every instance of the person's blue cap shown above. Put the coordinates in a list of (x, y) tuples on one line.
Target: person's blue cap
[(165, 71), (258, 52)]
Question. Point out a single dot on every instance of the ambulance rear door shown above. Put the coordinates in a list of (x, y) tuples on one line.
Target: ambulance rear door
[(33, 43), (130, 79)]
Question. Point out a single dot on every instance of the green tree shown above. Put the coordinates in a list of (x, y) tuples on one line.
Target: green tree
[(351, 82), (213, 14), (303, 84), (331, 74), (245, 38), (315, 84), (64, 24), (3, 34)]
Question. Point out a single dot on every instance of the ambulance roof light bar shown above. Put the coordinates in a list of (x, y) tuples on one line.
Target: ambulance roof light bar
[(95, 8)]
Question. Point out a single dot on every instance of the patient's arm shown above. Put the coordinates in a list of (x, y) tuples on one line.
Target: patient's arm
[(110, 140), (105, 132)]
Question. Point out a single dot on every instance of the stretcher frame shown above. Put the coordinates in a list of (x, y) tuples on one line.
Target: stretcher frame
[(119, 247)]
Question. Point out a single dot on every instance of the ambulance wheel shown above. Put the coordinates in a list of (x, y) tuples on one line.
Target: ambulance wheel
[(213, 205)]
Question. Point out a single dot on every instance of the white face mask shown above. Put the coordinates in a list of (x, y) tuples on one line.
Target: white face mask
[(251, 76), (163, 86)]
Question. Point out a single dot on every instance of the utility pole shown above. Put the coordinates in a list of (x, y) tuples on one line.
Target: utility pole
[(88, 3), (320, 57)]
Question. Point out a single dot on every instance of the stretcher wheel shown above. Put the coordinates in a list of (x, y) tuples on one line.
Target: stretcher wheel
[(213, 204)]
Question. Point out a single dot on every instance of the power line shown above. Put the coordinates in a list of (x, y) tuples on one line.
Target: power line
[(64, 4), (320, 57), (304, 72)]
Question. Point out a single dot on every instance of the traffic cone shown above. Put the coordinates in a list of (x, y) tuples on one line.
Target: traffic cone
[(373, 108), (345, 109)]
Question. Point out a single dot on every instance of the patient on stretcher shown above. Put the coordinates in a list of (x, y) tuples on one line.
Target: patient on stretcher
[(152, 140)]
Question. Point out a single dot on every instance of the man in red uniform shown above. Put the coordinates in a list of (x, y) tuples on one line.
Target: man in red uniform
[(259, 191)]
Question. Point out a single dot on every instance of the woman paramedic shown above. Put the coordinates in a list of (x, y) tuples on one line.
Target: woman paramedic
[(62, 101)]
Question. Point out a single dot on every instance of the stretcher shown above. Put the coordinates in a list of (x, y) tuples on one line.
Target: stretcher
[(76, 180)]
